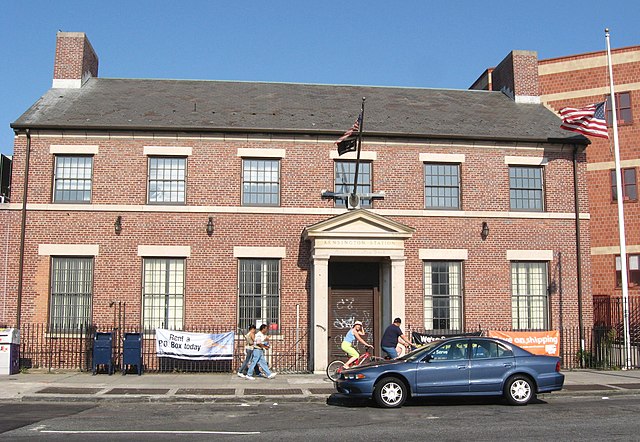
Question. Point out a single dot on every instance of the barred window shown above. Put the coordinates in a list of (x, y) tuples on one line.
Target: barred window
[(525, 188), (344, 176), (71, 293), (163, 293), (259, 292), (260, 182), (441, 186), (167, 180), (72, 181), (529, 298), (443, 295)]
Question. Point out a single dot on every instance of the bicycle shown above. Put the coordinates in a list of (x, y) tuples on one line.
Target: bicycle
[(334, 369)]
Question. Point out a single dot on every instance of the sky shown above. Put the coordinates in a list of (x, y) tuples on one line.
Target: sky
[(413, 43)]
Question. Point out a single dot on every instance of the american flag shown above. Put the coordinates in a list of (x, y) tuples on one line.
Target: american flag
[(587, 120), (348, 141)]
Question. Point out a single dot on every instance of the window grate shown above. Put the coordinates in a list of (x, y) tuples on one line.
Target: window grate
[(259, 292), (163, 297), (71, 292)]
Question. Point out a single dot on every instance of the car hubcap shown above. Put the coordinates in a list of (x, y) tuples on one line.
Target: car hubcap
[(520, 390), (391, 393)]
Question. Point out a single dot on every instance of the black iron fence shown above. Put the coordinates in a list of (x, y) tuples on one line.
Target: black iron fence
[(43, 347)]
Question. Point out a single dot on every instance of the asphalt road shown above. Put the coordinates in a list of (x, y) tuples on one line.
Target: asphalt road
[(555, 418)]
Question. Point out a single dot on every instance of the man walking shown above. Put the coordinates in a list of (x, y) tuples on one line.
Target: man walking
[(390, 338), (260, 345)]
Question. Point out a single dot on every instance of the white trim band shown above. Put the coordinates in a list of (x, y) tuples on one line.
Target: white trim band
[(443, 254), (165, 251), (529, 255), (259, 252), (526, 161), (82, 149), (261, 153), (68, 249), (175, 151)]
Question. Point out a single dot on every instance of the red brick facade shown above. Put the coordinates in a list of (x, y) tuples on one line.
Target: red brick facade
[(214, 189), (582, 79)]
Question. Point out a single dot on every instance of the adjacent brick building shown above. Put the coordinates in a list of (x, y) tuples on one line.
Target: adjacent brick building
[(205, 203), (576, 81)]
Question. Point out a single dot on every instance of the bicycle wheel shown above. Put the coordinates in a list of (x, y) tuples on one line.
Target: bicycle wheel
[(334, 369)]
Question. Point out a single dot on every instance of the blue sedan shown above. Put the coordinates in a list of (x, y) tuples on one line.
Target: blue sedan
[(462, 366)]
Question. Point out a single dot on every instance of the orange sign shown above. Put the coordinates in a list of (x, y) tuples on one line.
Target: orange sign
[(538, 343)]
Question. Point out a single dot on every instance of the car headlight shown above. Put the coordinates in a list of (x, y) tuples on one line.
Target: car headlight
[(354, 376)]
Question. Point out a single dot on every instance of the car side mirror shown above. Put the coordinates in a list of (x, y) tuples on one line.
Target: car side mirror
[(427, 358)]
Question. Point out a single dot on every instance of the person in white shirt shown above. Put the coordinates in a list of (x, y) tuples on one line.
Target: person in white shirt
[(260, 345)]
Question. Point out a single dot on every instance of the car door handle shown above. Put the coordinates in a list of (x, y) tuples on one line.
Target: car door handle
[(461, 367), (507, 364)]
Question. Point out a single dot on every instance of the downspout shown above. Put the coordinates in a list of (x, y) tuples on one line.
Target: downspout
[(23, 227), (578, 253)]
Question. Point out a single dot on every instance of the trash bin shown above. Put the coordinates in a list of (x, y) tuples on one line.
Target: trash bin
[(103, 351), (9, 350), (132, 352)]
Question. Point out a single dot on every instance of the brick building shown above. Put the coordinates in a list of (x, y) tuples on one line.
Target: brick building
[(200, 204), (576, 81)]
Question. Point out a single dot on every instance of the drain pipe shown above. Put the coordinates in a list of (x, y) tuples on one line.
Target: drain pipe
[(23, 227), (578, 253)]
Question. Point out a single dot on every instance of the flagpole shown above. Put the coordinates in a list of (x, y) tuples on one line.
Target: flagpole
[(354, 196), (620, 199)]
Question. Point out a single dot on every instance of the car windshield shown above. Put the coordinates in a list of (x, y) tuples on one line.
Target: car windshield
[(419, 352)]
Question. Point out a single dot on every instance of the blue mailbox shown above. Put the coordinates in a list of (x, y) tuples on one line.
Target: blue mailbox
[(132, 352), (103, 351)]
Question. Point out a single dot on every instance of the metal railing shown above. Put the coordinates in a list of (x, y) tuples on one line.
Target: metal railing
[(44, 347)]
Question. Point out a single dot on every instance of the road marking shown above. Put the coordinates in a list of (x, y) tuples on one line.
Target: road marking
[(146, 432)]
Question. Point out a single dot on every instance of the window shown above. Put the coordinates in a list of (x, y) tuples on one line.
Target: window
[(71, 293), (163, 293), (344, 176), (451, 351), (443, 295), (633, 268), (529, 299), (260, 182), (629, 188), (442, 186), (72, 180), (167, 180), (525, 188), (623, 108), (259, 292), (482, 349)]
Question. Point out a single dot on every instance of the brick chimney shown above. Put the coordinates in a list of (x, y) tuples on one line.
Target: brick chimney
[(75, 60), (517, 77)]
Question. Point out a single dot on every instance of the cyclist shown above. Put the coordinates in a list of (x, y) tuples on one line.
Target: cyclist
[(392, 335), (354, 334)]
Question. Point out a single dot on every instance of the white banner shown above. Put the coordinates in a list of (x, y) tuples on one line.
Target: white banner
[(198, 346)]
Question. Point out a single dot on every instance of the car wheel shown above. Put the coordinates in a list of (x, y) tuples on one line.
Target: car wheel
[(519, 390), (334, 369), (390, 393)]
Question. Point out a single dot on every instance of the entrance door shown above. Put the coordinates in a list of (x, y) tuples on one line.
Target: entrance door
[(347, 306)]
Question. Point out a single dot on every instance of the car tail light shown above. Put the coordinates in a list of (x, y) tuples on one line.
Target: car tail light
[(558, 366)]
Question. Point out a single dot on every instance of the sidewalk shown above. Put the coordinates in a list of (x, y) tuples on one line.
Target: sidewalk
[(225, 387)]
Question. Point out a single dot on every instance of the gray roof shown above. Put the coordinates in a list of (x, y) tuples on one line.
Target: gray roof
[(223, 106)]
